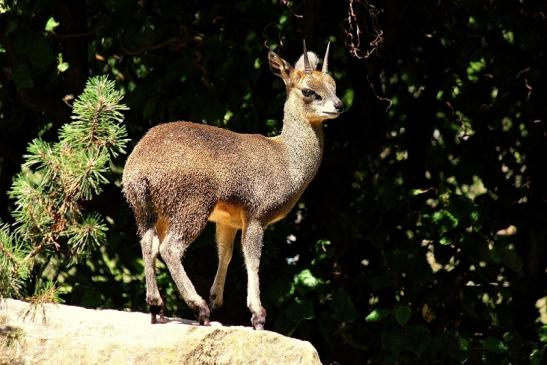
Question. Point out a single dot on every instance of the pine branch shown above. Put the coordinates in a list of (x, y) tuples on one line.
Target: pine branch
[(8, 254), (13, 267), (36, 250), (57, 177)]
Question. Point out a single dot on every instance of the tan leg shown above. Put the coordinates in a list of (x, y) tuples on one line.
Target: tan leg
[(149, 244), (171, 250), (225, 236), (252, 247)]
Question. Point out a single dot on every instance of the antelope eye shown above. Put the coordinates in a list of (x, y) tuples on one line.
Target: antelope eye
[(309, 93)]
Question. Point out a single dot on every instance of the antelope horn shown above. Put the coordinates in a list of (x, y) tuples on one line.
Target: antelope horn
[(325, 68), (307, 67)]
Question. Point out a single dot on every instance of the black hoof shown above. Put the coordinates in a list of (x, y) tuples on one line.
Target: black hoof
[(154, 311), (259, 319), (203, 314), (212, 303)]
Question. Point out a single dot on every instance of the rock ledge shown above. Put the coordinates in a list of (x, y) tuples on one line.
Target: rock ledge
[(62, 334)]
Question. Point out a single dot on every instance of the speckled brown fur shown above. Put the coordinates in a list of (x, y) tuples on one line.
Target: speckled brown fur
[(180, 175)]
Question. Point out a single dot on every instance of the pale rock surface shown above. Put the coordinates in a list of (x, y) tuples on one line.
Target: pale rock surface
[(62, 334)]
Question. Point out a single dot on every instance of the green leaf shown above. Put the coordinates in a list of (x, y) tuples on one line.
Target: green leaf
[(377, 315), (543, 333), (402, 314), (415, 192), (348, 97), (463, 344), (494, 345), (445, 241), (61, 65), (4, 8), (51, 24), (306, 278), (474, 68), (509, 36), (536, 356), (445, 218)]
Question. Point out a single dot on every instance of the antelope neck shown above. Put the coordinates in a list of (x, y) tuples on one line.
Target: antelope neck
[(303, 141)]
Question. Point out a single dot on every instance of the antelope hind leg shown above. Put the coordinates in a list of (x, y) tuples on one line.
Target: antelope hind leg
[(171, 250), (149, 246)]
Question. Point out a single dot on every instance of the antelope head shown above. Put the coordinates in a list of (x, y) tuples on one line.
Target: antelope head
[(312, 92)]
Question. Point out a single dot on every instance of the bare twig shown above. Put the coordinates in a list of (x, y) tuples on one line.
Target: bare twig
[(381, 98), (356, 31)]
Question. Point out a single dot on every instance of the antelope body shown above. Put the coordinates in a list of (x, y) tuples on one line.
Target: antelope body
[(181, 175)]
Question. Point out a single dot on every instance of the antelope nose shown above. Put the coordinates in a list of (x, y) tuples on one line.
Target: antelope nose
[(339, 105)]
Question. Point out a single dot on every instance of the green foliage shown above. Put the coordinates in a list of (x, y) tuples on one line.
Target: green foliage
[(421, 240), (55, 181), (377, 315), (13, 267), (51, 24), (48, 292), (57, 177), (97, 120)]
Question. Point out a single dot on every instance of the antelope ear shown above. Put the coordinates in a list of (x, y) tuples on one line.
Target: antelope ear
[(280, 67)]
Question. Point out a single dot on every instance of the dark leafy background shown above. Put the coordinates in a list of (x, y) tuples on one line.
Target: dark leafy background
[(421, 240)]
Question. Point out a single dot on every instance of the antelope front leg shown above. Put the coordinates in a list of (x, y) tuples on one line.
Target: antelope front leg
[(225, 236), (252, 247)]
